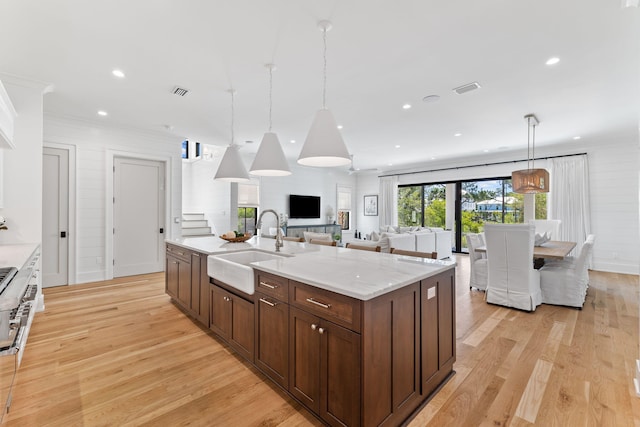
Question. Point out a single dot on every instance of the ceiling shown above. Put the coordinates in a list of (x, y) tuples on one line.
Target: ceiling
[(380, 55)]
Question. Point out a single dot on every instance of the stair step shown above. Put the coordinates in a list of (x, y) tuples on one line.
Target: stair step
[(190, 223), (193, 216), (196, 231)]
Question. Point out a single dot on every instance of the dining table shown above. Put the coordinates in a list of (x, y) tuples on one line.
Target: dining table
[(553, 249)]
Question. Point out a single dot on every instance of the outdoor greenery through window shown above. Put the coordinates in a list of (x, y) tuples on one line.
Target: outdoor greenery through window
[(247, 220), (479, 202)]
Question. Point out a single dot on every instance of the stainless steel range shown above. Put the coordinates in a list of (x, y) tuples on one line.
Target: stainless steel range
[(18, 293)]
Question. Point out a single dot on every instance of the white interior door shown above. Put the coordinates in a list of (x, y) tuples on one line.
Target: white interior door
[(138, 216), (55, 218)]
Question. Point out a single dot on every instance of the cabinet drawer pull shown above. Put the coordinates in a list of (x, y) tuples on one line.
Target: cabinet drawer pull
[(196, 255), (314, 326), (269, 303), (321, 331), (181, 253), (268, 285), (227, 299), (174, 262), (321, 304)]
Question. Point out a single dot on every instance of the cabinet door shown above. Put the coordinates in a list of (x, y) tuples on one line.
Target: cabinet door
[(204, 291), (430, 352), (339, 375), (220, 311), (171, 276), (184, 283), (194, 304), (241, 336), (272, 338), (304, 358)]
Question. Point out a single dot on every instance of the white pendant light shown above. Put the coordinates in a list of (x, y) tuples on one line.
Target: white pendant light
[(231, 168), (270, 159), (530, 180), (324, 146)]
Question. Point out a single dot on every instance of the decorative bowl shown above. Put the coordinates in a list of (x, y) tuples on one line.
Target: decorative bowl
[(244, 238)]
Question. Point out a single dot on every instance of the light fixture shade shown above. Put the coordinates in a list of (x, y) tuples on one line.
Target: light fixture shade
[(231, 168), (324, 146), (527, 181), (270, 159)]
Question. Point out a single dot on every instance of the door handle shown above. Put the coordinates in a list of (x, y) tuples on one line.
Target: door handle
[(63, 234)]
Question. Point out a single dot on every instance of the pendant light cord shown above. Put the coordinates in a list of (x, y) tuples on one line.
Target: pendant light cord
[(528, 143), (533, 148), (270, 95), (324, 80), (232, 117)]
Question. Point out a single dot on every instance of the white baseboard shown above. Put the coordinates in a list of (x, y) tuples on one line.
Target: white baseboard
[(616, 267)]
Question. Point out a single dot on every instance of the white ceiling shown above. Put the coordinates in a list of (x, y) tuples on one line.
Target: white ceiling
[(381, 55)]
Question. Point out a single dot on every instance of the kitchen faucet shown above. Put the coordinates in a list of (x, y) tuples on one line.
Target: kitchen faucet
[(278, 233)]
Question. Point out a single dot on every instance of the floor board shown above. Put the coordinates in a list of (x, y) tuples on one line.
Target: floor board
[(121, 353)]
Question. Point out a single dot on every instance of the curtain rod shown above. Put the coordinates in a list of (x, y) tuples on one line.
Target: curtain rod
[(484, 164)]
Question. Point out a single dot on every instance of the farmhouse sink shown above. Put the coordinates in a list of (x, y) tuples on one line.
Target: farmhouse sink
[(235, 269)]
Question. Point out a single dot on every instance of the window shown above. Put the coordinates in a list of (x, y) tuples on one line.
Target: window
[(248, 203), (478, 202), (344, 207)]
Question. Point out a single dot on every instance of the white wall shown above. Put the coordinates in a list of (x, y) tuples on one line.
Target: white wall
[(368, 184), (96, 145), (22, 166)]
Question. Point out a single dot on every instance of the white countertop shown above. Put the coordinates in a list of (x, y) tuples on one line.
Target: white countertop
[(359, 274), (16, 255)]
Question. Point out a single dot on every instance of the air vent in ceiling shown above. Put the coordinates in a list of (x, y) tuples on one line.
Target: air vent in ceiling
[(180, 91), (467, 88)]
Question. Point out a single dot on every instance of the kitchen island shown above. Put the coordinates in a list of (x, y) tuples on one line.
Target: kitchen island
[(359, 338)]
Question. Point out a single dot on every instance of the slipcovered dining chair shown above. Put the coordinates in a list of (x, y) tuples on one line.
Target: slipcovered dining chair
[(477, 262), (565, 282), (512, 280)]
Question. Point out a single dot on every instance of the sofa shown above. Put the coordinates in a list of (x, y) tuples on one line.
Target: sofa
[(420, 239)]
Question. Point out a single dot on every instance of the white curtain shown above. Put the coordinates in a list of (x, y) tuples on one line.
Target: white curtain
[(388, 204), (569, 197)]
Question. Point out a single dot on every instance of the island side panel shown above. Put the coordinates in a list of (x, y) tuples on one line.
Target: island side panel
[(391, 356)]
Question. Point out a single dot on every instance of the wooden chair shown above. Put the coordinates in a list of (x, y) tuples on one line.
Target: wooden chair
[(293, 239), (432, 255), (364, 247), (323, 242)]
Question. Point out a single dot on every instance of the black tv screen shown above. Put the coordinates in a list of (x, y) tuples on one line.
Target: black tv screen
[(304, 206)]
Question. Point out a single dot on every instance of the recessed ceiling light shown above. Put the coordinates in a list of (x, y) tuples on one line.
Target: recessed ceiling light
[(389, 164), (406, 106), (339, 126), (485, 151), (457, 134), (118, 73), (433, 158), (577, 137), (397, 146), (102, 113), (430, 98), (552, 61), (293, 141)]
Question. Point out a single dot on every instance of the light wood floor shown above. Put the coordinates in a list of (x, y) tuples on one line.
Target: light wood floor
[(119, 353)]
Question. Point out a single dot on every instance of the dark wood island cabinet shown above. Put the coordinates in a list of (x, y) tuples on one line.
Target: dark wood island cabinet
[(351, 362)]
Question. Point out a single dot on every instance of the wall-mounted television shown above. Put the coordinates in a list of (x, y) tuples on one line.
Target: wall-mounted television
[(304, 206)]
